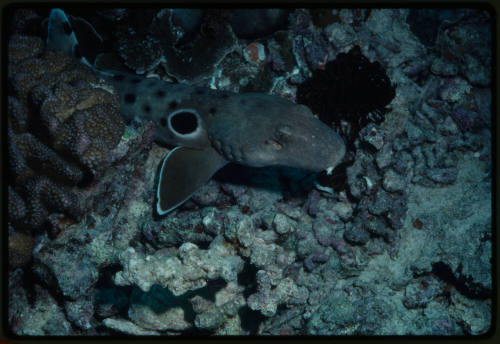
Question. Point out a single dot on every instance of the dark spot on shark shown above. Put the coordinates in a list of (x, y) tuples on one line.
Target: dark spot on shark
[(212, 111), (163, 121), (146, 108), (76, 51), (118, 77), (173, 105), (184, 122), (129, 98), (160, 93), (67, 28), (136, 80)]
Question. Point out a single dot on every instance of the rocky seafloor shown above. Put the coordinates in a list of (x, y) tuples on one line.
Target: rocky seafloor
[(397, 242)]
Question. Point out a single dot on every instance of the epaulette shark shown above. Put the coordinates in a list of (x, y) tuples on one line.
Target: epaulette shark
[(210, 128)]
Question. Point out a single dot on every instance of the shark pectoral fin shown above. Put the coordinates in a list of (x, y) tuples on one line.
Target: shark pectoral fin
[(182, 172)]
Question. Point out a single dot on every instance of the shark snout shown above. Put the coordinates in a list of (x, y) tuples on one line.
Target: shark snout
[(328, 153), (322, 149)]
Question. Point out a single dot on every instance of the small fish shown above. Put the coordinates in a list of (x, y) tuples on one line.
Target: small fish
[(211, 128)]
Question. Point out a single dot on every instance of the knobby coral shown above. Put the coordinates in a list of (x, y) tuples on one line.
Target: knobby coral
[(63, 123)]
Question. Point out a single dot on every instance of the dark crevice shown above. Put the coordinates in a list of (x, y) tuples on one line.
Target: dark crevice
[(463, 284), (247, 278), (250, 319)]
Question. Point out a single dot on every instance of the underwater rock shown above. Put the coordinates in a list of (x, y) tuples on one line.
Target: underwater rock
[(171, 319), (282, 224), (127, 327), (467, 120), (56, 268), (454, 89), (366, 311), (460, 213), (393, 43), (312, 203), (421, 292), (443, 175), (42, 317), (356, 236), (267, 300), (188, 270), (325, 229), (393, 181), (220, 314), (340, 35), (442, 67), (466, 43), (209, 320), (425, 22), (476, 314), (373, 135), (80, 313), (310, 51)]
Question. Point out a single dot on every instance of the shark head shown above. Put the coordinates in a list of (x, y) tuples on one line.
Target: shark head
[(251, 129), (278, 132)]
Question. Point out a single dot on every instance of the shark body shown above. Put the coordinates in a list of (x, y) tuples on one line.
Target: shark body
[(211, 128)]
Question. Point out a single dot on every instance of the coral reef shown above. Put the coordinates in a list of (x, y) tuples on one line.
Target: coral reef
[(397, 241)]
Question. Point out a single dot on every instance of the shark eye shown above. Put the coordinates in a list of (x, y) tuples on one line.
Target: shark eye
[(183, 122)]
